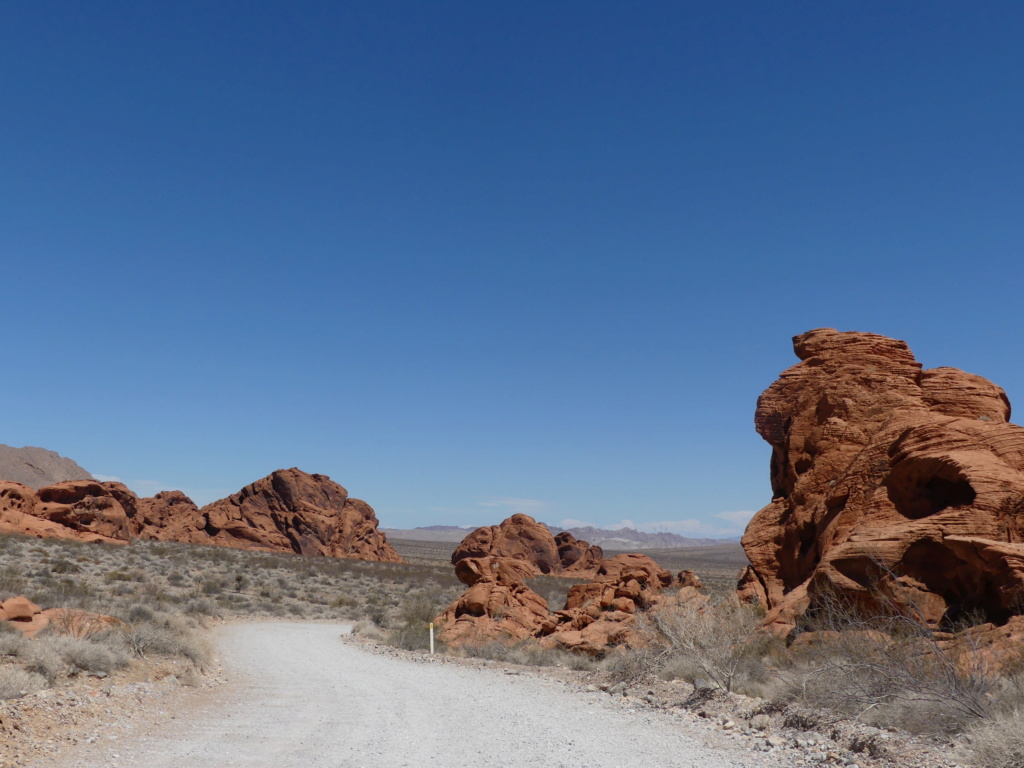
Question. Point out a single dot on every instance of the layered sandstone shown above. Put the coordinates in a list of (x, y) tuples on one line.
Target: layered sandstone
[(894, 488), (522, 538)]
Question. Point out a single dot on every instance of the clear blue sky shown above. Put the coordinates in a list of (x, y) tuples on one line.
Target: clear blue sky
[(474, 258)]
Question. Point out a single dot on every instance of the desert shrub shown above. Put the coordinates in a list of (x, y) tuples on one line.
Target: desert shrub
[(201, 607), (889, 666), (13, 644), (411, 627), (103, 653), (167, 640), (16, 682), (719, 640), (528, 652), (44, 661)]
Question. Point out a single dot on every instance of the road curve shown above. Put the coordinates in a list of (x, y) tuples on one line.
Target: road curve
[(300, 696)]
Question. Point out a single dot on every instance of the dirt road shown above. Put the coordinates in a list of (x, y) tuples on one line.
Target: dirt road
[(300, 696)]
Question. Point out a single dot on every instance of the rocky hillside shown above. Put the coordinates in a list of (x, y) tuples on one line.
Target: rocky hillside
[(37, 467)]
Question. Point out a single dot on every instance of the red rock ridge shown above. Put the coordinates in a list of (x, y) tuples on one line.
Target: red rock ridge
[(287, 511)]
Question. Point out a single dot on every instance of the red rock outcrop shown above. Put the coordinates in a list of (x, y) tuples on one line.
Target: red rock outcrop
[(24, 615), (497, 605), (29, 619), (895, 488), (74, 509), (287, 511), (169, 516), (292, 511), (598, 615), (523, 538)]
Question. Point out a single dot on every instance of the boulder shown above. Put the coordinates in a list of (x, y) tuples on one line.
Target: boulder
[(497, 606), (24, 615), (894, 488), (522, 538), (293, 511)]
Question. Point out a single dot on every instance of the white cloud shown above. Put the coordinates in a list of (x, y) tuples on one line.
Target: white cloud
[(741, 517), (106, 478)]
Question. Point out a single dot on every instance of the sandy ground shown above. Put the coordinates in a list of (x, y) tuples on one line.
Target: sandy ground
[(301, 696)]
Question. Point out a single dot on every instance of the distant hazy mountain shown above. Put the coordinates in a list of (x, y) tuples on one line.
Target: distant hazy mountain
[(37, 467), (627, 538), (436, 533), (621, 539)]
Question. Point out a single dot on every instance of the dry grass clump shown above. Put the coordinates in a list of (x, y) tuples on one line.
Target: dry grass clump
[(528, 652), (16, 682), (997, 742)]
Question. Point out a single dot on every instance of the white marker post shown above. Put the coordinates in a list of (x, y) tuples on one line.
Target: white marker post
[(431, 638)]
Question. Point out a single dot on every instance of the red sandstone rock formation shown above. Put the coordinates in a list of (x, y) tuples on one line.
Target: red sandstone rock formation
[(497, 605), (29, 619), (597, 616), (600, 614), (169, 516), (292, 511), (75, 509), (893, 487), (287, 511), (523, 538)]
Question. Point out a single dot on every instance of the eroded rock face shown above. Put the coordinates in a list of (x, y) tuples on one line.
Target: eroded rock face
[(169, 516), (292, 511), (523, 538), (894, 487), (76, 509)]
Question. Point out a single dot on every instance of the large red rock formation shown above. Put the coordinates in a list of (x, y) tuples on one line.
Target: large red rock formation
[(292, 511), (894, 488), (523, 538), (598, 615), (287, 511), (75, 509)]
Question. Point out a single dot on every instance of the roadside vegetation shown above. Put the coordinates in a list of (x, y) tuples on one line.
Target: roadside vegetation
[(164, 594)]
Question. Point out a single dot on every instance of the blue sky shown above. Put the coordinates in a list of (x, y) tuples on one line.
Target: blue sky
[(476, 258)]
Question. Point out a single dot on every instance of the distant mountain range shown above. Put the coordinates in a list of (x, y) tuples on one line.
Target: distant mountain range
[(37, 467), (619, 539)]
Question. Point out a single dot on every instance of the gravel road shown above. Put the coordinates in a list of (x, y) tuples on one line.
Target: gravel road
[(300, 696)]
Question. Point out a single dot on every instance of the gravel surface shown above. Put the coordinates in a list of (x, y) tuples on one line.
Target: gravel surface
[(301, 696)]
